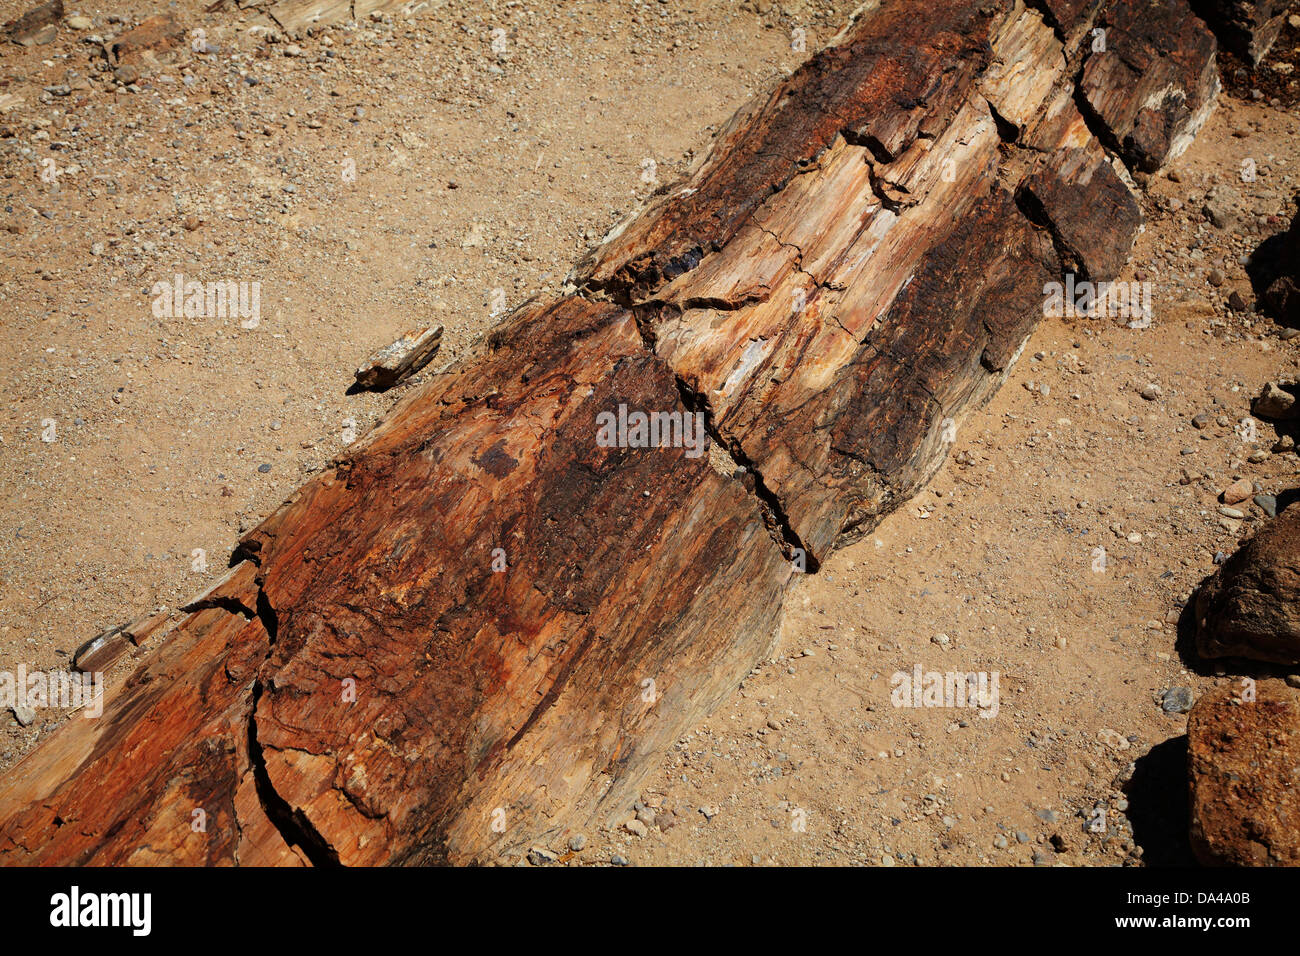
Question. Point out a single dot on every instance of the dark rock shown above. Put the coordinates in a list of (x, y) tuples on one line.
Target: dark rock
[(1176, 700), (1250, 606)]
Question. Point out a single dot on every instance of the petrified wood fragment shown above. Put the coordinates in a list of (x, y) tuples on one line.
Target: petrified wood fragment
[(1247, 27), (1154, 84)]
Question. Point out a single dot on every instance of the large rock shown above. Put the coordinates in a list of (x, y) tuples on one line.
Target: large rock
[(1244, 767), (1250, 607)]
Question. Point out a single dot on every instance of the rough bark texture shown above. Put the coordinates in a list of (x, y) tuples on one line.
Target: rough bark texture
[(1243, 757), (1246, 27), (479, 629), (1155, 83), (1250, 606)]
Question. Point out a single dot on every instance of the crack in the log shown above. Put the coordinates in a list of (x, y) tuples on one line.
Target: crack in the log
[(1049, 18), (291, 823), (770, 505), (225, 602), (1032, 209), (1008, 131), (1097, 126)]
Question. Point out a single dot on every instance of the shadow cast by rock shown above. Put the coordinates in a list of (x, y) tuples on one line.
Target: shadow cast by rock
[(1159, 805)]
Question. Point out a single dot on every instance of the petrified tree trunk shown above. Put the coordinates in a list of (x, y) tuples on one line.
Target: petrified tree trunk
[(1247, 27), (477, 631)]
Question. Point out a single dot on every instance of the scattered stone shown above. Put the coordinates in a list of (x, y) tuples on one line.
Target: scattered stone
[(399, 360), (635, 827), (618, 860), (1223, 206), (79, 22), (1268, 503), (1177, 700), (1274, 402), (1112, 739), (1237, 492), (1150, 391), (1203, 420), (1237, 303), (540, 856), (577, 842), (158, 34), (1241, 761), (264, 467), (1215, 278), (24, 714), (38, 26)]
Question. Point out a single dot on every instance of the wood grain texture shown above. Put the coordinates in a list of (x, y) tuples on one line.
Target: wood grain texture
[(1248, 28), (1155, 83)]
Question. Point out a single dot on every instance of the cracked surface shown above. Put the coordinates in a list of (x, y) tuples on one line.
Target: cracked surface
[(845, 275)]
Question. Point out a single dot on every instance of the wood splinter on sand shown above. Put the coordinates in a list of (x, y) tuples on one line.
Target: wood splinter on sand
[(399, 360), (479, 630)]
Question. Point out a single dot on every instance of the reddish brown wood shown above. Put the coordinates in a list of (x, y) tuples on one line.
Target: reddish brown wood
[(477, 631)]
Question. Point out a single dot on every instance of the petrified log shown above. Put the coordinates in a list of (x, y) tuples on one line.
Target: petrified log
[(477, 630), (1243, 747), (1246, 27), (1250, 606)]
